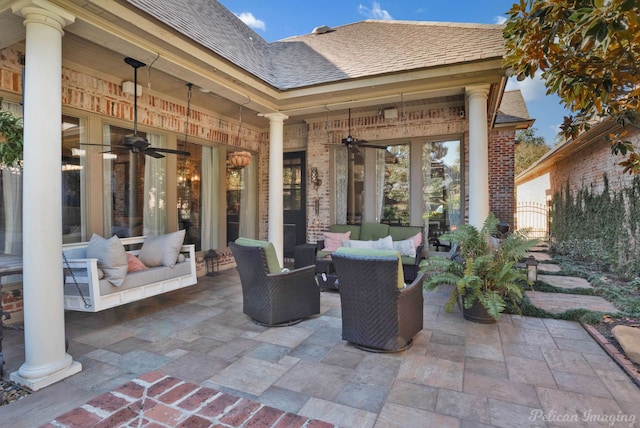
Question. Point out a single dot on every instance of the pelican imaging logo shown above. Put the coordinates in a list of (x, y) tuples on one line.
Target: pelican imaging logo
[(611, 419)]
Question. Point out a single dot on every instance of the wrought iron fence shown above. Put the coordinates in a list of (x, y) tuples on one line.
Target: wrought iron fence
[(534, 216)]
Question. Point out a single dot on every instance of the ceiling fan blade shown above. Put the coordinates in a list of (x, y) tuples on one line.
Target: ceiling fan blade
[(175, 152), (152, 153), (99, 145), (373, 146)]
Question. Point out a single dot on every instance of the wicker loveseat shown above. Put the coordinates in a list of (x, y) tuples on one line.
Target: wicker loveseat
[(315, 253), (377, 314), (271, 296)]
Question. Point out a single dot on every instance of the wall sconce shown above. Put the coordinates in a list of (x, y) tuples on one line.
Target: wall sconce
[(314, 178), (212, 262), (532, 269), (240, 159)]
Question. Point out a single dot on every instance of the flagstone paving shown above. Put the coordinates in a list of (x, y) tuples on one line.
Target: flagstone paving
[(210, 358), (565, 281), (557, 303)]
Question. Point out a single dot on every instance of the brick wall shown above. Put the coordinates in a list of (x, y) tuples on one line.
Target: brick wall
[(501, 177), (588, 166)]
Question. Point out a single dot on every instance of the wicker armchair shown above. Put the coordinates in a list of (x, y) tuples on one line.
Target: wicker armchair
[(274, 299), (377, 315)]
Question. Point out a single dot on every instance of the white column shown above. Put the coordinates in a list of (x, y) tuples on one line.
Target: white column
[(478, 155), (46, 359), (276, 207)]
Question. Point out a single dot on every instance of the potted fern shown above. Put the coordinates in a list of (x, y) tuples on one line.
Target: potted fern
[(11, 139), (482, 270)]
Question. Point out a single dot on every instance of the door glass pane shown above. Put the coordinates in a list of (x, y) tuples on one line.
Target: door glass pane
[(235, 185), (395, 208), (189, 192), (292, 184), (442, 186), (74, 171)]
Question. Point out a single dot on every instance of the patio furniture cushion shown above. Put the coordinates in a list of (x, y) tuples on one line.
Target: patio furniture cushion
[(373, 231), (162, 250), (112, 257), (387, 254), (406, 247), (380, 244), (333, 240), (269, 251)]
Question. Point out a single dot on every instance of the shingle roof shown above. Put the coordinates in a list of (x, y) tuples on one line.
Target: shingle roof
[(356, 50), (512, 108)]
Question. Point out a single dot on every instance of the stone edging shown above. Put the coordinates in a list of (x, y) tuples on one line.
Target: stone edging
[(614, 353)]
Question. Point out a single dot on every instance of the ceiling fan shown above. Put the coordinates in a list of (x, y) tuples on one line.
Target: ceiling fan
[(136, 143), (353, 143)]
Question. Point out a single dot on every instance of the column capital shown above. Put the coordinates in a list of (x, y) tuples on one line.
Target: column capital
[(43, 12), (275, 117), (477, 90)]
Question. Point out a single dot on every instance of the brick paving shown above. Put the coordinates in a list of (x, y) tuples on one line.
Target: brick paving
[(157, 400)]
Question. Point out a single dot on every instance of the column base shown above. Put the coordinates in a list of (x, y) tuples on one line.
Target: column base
[(39, 383)]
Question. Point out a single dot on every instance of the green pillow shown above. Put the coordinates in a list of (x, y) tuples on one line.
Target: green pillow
[(373, 231), (376, 253), (269, 251)]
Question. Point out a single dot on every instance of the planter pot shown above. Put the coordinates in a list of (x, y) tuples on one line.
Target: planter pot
[(477, 313)]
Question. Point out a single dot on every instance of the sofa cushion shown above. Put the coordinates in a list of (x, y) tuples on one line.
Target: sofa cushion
[(269, 252), (398, 233), (406, 247), (376, 253), (112, 257), (162, 250), (342, 228), (334, 240), (373, 231)]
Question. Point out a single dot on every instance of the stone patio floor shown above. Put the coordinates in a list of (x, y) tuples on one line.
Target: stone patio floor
[(199, 346)]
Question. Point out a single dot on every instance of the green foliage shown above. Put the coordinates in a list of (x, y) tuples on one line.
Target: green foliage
[(11, 139), (587, 52), (484, 269), (529, 149), (599, 228)]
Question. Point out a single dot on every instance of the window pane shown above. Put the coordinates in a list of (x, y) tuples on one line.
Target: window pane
[(396, 185), (189, 192), (442, 191), (125, 207), (355, 186)]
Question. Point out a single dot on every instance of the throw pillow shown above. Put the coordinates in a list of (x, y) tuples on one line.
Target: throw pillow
[(134, 263), (333, 240), (406, 247), (162, 250), (417, 239), (112, 257), (385, 243), (356, 243)]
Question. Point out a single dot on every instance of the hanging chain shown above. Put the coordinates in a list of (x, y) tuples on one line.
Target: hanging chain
[(87, 305)]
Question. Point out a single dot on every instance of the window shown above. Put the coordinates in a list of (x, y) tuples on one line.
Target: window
[(395, 209), (74, 172), (135, 187)]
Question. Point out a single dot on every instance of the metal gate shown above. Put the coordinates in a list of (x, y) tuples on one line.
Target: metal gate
[(534, 216)]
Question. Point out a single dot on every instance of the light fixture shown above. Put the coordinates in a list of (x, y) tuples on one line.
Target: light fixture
[(532, 269), (240, 159), (78, 152), (108, 156), (314, 178), (212, 262), (131, 88)]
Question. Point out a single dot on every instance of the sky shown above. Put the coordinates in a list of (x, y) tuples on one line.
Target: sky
[(279, 19)]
